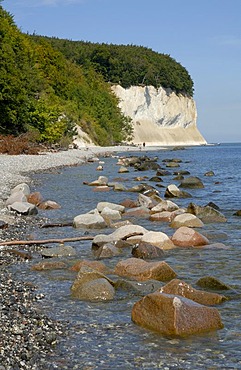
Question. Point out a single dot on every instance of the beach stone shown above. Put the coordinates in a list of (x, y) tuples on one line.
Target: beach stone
[(35, 198), (169, 314), (145, 201), (172, 191), (129, 203), (210, 282), (187, 237), (191, 182), (89, 221), (113, 206), (95, 265), (137, 212), (99, 168), (23, 208), (102, 180), (181, 172), (146, 251), (49, 265), (164, 205), (123, 169), (59, 251), (159, 239), (110, 214), (107, 250), (101, 188), (141, 270), (49, 204), (186, 219), (181, 288), (118, 187), (17, 196), (96, 290), (172, 164), (161, 172), (90, 285), (23, 187), (125, 232), (156, 179), (206, 213), (209, 173), (164, 216), (237, 213)]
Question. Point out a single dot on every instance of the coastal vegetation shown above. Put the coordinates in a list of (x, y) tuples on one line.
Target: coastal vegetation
[(50, 85)]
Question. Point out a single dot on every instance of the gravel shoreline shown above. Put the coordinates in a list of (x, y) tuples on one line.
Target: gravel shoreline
[(27, 336)]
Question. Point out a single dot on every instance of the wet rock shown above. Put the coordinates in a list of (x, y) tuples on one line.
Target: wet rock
[(146, 251), (123, 169), (159, 239), (191, 182), (129, 203), (206, 213), (92, 285), (110, 214), (137, 212), (141, 270), (174, 315), (187, 237), (172, 191), (145, 201), (162, 172), (237, 213), (49, 265), (89, 221), (102, 180), (49, 204), (107, 250), (35, 198), (113, 206), (186, 219), (181, 288), (156, 179), (209, 173), (164, 205), (23, 208), (210, 282), (95, 265), (172, 165), (60, 251), (118, 187), (164, 216)]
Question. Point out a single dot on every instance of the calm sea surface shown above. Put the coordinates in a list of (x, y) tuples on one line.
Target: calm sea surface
[(102, 335)]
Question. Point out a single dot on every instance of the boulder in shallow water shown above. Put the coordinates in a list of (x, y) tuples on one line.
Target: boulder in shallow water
[(169, 314), (59, 251), (181, 288), (49, 204), (159, 239), (146, 251), (187, 237), (206, 213), (89, 221), (92, 285), (17, 196), (172, 191), (210, 282), (186, 219), (140, 270), (191, 182)]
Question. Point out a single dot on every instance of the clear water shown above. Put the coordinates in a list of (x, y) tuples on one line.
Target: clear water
[(101, 335)]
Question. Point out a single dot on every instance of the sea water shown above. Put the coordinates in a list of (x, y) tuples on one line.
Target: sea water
[(102, 335)]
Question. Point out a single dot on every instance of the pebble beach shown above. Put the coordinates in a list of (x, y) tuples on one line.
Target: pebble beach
[(27, 336)]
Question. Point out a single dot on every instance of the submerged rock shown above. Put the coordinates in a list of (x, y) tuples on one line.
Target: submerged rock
[(169, 314)]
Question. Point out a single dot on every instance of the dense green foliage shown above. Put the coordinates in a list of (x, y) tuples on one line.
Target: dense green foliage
[(44, 93), (128, 64), (48, 85)]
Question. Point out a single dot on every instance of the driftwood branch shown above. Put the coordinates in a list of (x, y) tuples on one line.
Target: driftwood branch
[(60, 224), (45, 241)]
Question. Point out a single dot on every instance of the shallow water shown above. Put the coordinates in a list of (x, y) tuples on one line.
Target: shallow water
[(101, 335)]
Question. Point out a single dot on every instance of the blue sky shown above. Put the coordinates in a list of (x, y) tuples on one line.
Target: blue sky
[(203, 35)]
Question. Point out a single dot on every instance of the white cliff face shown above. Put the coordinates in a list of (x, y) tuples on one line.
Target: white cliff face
[(159, 116)]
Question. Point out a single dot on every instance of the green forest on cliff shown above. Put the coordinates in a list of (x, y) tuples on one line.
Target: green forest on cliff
[(48, 85)]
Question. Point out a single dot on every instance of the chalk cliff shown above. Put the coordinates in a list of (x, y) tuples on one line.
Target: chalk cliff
[(159, 116)]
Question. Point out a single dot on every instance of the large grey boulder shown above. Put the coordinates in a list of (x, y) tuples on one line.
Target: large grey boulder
[(89, 221), (23, 208), (113, 206)]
